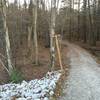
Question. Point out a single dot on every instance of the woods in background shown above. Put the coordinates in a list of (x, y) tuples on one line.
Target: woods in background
[(83, 26), (36, 20)]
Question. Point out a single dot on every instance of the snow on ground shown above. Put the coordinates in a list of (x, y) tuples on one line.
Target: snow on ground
[(33, 90), (83, 82)]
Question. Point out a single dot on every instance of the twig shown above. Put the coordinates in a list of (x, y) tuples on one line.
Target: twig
[(4, 66), (2, 56)]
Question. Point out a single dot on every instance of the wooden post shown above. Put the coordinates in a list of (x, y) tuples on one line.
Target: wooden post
[(29, 36), (58, 51)]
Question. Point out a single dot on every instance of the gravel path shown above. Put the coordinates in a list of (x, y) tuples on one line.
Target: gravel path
[(83, 82)]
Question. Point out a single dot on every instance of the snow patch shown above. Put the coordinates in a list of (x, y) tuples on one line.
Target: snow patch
[(33, 90)]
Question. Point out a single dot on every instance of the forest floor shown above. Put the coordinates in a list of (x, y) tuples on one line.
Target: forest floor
[(24, 62), (83, 81), (95, 50)]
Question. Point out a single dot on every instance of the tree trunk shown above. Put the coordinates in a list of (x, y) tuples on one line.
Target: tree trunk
[(84, 22), (8, 49), (35, 32), (94, 33), (78, 37), (70, 23), (98, 21), (52, 32), (91, 35)]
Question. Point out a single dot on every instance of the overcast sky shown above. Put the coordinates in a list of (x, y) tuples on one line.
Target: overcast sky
[(22, 1), (18, 1)]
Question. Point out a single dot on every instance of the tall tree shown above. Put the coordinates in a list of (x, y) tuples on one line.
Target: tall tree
[(52, 32), (8, 49), (92, 30), (16, 3), (98, 20), (84, 36), (35, 31), (31, 7), (78, 37), (70, 21), (25, 4)]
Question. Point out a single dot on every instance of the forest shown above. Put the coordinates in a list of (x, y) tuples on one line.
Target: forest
[(42, 40)]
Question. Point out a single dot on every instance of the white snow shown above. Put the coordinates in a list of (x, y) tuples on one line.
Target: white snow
[(33, 90)]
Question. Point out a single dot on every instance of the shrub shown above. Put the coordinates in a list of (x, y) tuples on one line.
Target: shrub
[(16, 76)]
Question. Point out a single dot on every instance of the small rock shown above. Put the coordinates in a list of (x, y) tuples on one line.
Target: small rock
[(51, 93)]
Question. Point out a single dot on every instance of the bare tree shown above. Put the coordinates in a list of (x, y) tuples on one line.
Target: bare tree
[(8, 49), (25, 4), (35, 31), (91, 23), (84, 21), (52, 31), (78, 20), (98, 20), (70, 23)]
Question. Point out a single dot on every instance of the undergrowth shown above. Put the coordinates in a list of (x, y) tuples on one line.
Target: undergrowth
[(16, 76)]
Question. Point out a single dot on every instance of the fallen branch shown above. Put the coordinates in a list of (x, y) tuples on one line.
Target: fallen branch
[(2, 55)]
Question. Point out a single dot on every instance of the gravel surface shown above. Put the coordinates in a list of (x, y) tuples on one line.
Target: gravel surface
[(83, 82)]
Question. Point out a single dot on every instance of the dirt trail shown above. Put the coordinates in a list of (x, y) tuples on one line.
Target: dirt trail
[(83, 82)]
